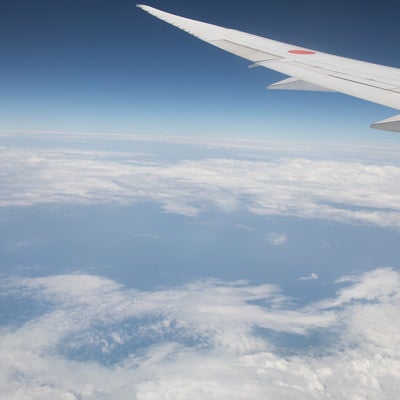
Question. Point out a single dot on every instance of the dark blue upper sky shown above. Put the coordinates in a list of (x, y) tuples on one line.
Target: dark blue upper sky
[(88, 65)]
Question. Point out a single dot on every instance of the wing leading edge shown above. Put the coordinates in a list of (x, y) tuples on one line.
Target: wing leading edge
[(307, 69)]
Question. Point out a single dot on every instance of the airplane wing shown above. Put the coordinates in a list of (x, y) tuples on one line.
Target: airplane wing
[(307, 69)]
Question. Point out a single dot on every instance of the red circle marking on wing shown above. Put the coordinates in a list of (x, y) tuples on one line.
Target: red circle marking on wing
[(301, 52)]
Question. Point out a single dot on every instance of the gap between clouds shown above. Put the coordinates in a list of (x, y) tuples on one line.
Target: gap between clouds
[(341, 191), (204, 341)]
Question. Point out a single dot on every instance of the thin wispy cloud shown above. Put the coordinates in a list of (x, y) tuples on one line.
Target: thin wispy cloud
[(148, 235), (201, 340), (277, 239), (312, 277)]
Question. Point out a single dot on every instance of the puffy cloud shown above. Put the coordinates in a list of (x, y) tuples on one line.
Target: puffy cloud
[(203, 340), (345, 191)]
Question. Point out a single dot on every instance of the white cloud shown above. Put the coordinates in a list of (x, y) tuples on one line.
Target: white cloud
[(204, 341), (344, 191), (312, 277), (277, 239)]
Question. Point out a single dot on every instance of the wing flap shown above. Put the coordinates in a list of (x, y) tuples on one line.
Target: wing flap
[(391, 124), (297, 84)]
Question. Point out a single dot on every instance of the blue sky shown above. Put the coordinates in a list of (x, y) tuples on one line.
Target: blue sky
[(104, 66)]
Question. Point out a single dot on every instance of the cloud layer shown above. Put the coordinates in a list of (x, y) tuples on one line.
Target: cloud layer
[(344, 191), (96, 339)]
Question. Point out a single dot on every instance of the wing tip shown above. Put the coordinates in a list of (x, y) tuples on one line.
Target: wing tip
[(145, 8)]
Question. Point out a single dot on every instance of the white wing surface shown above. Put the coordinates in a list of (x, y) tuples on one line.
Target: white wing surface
[(308, 69)]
